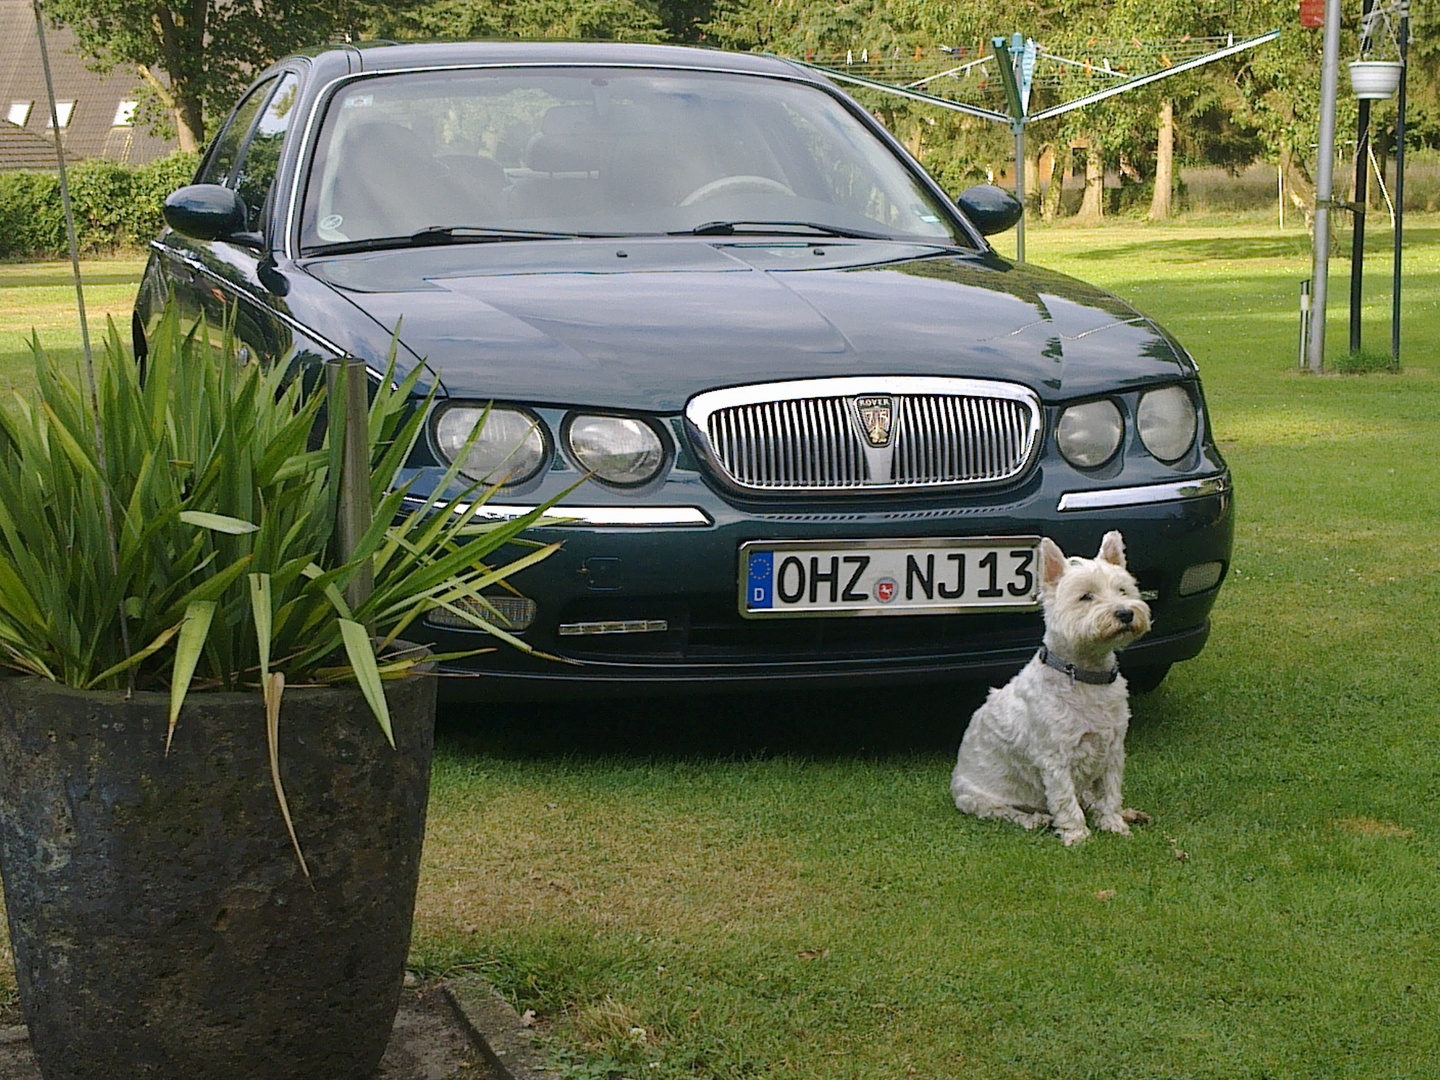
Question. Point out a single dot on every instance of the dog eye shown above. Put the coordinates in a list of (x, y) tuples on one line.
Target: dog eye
[(1088, 596)]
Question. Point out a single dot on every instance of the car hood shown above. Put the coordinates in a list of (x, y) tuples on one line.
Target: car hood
[(646, 324)]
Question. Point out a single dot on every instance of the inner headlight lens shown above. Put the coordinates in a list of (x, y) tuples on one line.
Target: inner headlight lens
[(1166, 421), (1090, 433), (616, 449), (510, 448)]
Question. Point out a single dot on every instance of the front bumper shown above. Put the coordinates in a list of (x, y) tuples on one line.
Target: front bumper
[(678, 566)]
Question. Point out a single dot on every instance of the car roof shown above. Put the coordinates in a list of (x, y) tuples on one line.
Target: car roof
[(377, 57)]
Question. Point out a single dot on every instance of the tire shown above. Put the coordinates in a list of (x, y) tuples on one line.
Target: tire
[(1146, 678)]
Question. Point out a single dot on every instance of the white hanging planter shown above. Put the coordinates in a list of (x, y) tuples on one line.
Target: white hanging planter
[(1375, 79)]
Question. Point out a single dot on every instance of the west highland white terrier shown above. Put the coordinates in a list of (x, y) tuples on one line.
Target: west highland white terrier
[(1052, 739)]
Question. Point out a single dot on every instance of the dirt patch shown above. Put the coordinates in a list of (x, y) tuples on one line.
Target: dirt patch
[(1364, 826), (519, 859)]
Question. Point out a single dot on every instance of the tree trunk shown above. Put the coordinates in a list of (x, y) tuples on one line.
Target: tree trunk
[(1049, 186), (915, 142), (1299, 188), (1092, 206), (189, 124), (1160, 204), (184, 109), (177, 39), (1059, 168)]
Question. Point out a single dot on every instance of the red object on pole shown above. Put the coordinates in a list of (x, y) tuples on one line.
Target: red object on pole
[(1312, 13)]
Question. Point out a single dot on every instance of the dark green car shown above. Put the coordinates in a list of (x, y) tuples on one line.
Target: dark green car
[(817, 424)]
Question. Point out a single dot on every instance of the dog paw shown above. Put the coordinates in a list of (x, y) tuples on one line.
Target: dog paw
[(1035, 821), (1074, 836), (1115, 823), (1135, 817)]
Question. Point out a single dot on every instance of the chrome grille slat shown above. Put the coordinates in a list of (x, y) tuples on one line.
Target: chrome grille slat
[(808, 437)]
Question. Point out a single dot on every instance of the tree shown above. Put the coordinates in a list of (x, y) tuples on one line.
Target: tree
[(196, 55), (613, 20)]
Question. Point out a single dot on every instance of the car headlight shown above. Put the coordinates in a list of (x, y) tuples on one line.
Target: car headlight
[(1166, 421), (617, 449), (1089, 434), (509, 449)]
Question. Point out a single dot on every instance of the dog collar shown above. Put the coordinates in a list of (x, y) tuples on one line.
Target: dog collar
[(1095, 678)]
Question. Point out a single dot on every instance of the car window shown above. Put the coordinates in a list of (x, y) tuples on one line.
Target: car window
[(603, 151), (261, 156), (220, 162)]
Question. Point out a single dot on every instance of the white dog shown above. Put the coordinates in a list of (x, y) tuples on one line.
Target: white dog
[(1052, 740)]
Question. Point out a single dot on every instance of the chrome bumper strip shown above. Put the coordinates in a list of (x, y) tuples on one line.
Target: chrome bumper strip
[(632, 517), (1149, 493)]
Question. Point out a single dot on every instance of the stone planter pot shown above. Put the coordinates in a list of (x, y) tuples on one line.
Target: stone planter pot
[(160, 921), (1375, 79)]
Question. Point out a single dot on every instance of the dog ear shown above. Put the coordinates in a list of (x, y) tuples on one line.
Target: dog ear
[(1112, 549), (1052, 563)]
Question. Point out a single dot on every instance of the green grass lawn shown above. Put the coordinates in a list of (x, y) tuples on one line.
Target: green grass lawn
[(737, 889), (742, 888), (40, 298)]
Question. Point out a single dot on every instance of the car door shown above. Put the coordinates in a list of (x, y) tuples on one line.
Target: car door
[(239, 293), (176, 270)]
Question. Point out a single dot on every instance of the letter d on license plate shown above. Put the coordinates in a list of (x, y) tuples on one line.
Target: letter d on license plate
[(888, 577)]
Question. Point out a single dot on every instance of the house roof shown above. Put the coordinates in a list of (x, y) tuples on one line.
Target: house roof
[(22, 149), (90, 130)]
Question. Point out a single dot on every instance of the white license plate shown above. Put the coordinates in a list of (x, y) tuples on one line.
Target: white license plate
[(888, 577)]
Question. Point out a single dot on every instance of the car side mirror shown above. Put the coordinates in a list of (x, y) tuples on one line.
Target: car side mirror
[(209, 212), (991, 209)]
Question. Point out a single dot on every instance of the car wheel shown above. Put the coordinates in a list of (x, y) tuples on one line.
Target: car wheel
[(1146, 678)]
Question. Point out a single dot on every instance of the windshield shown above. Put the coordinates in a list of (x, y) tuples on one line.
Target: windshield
[(603, 152)]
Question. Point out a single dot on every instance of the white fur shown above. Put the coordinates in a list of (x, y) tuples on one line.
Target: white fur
[(1044, 748)]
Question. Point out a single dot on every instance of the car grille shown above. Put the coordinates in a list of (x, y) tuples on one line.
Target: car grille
[(868, 434)]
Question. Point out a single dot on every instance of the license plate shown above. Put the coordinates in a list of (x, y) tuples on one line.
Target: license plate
[(888, 577)]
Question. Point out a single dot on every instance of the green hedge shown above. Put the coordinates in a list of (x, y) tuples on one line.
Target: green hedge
[(115, 206)]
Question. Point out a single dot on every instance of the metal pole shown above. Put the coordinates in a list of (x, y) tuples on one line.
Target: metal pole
[(1358, 207), (1399, 188), (348, 399), (1304, 319), (1019, 129), (1007, 59), (1324, 184)]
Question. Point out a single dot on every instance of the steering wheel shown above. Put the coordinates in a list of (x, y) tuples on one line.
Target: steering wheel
[(730, 185)]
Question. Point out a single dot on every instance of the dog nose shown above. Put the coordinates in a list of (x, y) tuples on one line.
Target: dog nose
[(1125, 615)]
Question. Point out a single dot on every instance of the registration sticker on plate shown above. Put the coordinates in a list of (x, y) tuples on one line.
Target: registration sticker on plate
[(888, 577)]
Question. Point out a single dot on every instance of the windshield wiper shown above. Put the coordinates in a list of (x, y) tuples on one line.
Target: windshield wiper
[(480, 234), (811, 228), (438, 234)]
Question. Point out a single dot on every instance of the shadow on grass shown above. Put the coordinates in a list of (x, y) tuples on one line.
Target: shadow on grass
[(1199, 249), (61, 276), (1235, 248), (864, 722)]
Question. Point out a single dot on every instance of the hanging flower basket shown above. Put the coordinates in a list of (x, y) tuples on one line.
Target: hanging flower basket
[(1375, 79)]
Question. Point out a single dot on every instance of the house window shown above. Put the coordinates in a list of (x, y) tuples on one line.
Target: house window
[(19, 113), (125, 114), (63, 110)]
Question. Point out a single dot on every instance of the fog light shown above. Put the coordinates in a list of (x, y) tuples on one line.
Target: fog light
[(1201, 576), (512, 613)]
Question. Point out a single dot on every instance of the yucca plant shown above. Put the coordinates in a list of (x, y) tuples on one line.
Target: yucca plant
[(179, 531)]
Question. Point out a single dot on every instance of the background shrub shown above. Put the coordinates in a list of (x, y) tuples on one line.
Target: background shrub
[(116, 206)]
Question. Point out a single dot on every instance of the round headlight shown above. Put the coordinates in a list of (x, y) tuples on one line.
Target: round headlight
[(1166, 421), (616, 449), (1089, 434), (509, 449)]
